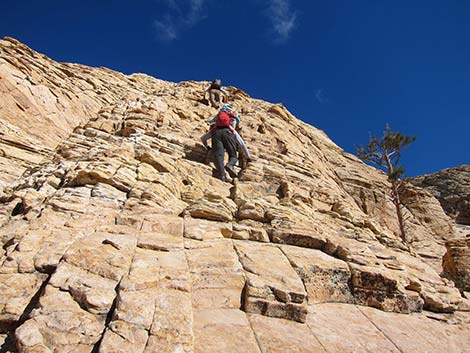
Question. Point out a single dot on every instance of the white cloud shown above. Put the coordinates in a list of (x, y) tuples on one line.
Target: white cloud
[(320, 96), (196, 12), (283, 18), (181, 15), (166, 29)]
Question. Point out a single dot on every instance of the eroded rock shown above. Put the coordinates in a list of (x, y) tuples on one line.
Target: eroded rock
[(456, 263), (116, 237), (273, 288)]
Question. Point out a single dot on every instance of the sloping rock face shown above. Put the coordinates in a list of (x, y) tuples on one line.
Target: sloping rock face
[(116, 238), (43, 102), (452, 188), (456, 262)]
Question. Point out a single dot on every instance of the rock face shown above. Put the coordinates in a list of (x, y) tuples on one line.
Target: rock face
[(456, 262), (115, 236), (452, 188)]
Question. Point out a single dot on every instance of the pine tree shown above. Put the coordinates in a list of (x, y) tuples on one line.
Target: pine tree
[(385, 153)]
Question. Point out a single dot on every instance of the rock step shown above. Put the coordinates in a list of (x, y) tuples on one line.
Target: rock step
[(273, 288)]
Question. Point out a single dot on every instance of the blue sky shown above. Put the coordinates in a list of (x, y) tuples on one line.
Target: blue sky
[(346, 67)]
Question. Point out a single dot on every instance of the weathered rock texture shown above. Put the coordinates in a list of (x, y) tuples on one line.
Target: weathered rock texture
[(115, 236), (452, 188), (456, 262)]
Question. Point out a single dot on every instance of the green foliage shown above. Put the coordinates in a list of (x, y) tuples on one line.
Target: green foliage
[(385, 152)]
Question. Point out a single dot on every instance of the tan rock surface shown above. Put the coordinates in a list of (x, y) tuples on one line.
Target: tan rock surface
[(217, 276), (456, 262), (273, 288), (417, 333), (343, 328), (346, 328), (279, 335), (115, 237), (223, 330), (326, 278), (452, 188)]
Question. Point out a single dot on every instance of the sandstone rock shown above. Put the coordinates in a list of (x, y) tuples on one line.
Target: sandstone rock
[(272, 288), (415, 333), (326, 279), (164, 223), (279, 335), (160, 241), (217, 276), (427, 210), (217, 210), (301, 237), (464, 305), (452, 188), (115, 236), (378, 288), (172, 328), (161, 163), (122, 337), (441, 298), (17, 291), (226, 330), (174, 270), (136, 307), (250, 231), (144, 272), (206, 230), (153, 307), (456, 262), (252, 210), (343, 328), (159, 232), (93, 292), (67, 329), (104, 260), (30, 339)]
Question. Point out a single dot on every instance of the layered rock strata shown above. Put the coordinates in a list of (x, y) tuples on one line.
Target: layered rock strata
[(118, 239), (452, 188), (456, 262)]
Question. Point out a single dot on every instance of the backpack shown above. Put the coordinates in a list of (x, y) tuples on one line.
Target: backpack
[(223, 119), (216, 84)]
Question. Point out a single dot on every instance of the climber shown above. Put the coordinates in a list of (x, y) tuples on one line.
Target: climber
[(223, 138), (216, 92), (235, 124), (234, 117)]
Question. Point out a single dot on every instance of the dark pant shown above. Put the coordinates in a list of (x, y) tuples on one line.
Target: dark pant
[(224, 140)]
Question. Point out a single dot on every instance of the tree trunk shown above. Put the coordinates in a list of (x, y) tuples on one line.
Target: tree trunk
[(397, 203), (395, 196)]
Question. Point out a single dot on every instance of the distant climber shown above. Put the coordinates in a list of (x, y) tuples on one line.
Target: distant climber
[(223, 139), (217, 94)]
